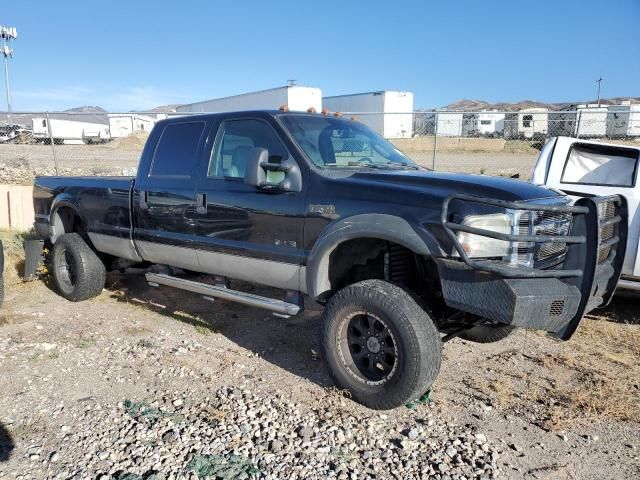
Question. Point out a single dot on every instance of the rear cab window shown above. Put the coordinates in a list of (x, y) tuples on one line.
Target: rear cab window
[(177, 150), (602, 165)]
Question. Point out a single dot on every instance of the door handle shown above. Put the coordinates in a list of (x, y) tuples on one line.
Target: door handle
[(144, 199), (201, 203)]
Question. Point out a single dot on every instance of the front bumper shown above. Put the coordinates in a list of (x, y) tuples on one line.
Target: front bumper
[(541, 303), (553, 299)]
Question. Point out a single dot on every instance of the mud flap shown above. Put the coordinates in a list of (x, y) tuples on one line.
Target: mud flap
[(32, 258), (601, 260)]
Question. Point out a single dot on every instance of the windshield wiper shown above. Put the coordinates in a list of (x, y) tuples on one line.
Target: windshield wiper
[(383, 166)]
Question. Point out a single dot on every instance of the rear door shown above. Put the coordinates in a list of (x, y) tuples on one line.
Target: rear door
[(593, 168), (164, 195), (241, 231)]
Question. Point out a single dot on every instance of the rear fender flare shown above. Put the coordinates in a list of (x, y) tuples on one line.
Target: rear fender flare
[(62, 201), (382, 226)]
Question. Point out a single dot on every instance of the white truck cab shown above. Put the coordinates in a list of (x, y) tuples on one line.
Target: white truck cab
[(585, 167)]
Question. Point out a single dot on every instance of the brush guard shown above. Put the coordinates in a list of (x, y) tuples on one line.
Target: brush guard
[(553, 299)]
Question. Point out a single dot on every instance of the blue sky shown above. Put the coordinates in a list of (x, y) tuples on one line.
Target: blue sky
[(140, 54)]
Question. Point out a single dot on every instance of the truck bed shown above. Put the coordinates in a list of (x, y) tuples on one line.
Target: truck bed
[(102, 202)]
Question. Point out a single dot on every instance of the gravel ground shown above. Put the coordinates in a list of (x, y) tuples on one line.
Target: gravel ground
[(146, 382), (153, 384)]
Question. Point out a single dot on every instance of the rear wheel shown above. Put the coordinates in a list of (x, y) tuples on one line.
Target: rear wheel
[(487, 333), (78, 272), (379, 344)]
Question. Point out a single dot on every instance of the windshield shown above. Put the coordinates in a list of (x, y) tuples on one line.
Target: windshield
[(332, 142)]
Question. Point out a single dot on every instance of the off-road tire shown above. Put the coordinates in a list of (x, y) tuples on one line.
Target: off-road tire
[(87, 280), (487, 333), (417, 341)]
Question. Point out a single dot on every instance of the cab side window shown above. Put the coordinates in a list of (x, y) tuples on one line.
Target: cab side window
[(176, 151), (234, 143)]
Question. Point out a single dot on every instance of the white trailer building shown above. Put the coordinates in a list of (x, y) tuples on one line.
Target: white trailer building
[(623, 120), (591, 121), (527, 123), (124, 124), (389, 113), (296, 98), (449, 124), (456, 124), (490, 123), (71, 129)]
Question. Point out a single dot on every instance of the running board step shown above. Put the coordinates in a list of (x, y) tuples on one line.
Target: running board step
[(207, 290), (629, 285)]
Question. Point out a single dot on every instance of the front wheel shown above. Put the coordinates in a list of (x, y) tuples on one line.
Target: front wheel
[(78, 272), (380, 345)]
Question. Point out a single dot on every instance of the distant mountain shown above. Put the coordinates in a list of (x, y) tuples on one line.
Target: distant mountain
[(87, 109), (475, 105)]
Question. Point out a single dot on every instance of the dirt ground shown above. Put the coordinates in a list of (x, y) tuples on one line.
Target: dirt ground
[(538, 407), (550, 409)]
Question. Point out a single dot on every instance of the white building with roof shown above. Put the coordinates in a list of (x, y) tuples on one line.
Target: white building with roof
[(295, 97), (387, 112)]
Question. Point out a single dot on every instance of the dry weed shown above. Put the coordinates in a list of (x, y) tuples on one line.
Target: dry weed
[(594, 376)]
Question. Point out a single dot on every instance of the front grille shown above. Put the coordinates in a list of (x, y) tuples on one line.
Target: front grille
[(541, 255), (606, 211)]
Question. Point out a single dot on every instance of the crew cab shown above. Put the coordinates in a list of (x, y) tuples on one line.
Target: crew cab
[(586, 167), (402, 258)]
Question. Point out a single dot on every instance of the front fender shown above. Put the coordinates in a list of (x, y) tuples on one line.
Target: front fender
[(373, 225)]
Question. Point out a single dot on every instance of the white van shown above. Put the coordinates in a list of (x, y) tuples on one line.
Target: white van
[(586, 167)]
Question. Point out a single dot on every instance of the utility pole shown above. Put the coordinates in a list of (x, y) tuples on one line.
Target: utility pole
[(7, 33), (599, 81)]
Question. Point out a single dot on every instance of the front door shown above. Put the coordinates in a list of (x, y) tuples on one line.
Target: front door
[(164, 200), (241, 231)]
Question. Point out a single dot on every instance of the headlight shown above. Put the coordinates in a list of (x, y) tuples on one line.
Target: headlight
[(477, 246)]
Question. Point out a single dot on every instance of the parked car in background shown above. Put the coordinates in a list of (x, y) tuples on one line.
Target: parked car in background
[(13, 132), (583, 167)]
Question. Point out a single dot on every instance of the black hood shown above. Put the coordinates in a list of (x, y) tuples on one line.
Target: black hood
[(444, 184)]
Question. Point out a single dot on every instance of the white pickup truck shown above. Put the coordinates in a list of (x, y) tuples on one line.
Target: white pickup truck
[(583, 168)]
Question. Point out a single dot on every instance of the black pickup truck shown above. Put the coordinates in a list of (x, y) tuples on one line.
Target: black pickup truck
[(402, 258)]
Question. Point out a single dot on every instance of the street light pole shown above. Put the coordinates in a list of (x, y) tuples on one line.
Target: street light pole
[(599, 81), (7, 33)]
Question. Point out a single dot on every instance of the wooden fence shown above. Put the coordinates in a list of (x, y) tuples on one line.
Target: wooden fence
[(16, 207)]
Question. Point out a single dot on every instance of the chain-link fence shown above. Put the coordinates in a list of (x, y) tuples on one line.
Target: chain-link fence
[(491, 142), (498, 142)]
